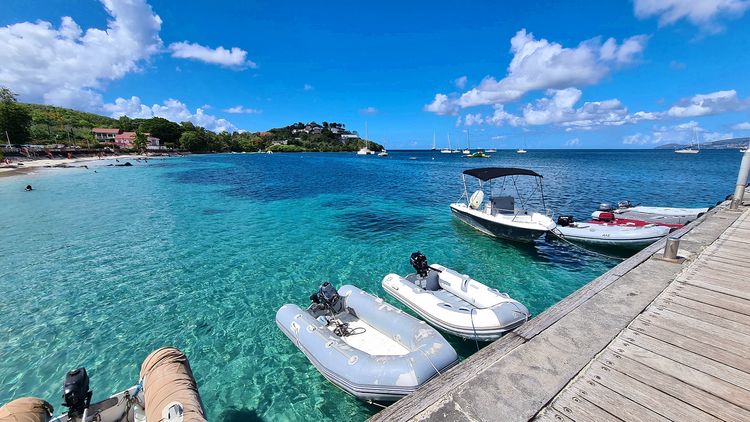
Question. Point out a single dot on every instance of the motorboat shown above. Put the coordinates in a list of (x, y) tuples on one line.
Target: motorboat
[(657, 215), (365, 346), (478, 154), (491, 150), (365, 151), (521, 151), (499, 216), (603, 234), (383, 153), (454, 302), (445, 151), (166, 387), (466, 151), (612, 219)]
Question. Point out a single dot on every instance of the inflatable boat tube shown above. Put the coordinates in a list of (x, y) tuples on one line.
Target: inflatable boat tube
[(170, 391), (395, 354)]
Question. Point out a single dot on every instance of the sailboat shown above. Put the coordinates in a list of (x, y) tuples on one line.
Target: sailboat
[(690, 149), (467, 151), (433, 141), (364, 150), (447, 150), (521, 150)]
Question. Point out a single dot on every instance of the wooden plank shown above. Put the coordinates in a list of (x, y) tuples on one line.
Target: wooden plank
[(706, 308), (686, 374), (731, 287), (695, 346), (711, 331), (613, 402), (711, 367), (696, 334), (713, 298), (549, 414), (572, 405), (696, 397), (711, 319), (647, 396)]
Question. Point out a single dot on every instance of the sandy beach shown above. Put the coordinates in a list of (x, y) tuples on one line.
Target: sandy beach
[(25, 166)]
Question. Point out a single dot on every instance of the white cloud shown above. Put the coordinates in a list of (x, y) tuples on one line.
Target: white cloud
[(442, 106), (170, 109), (572, 142), (637, 139), (558, 108), (234, 57), (368, 111), (473, 119), (500, 117), (239, 110), (707, 104), (461, 82), (702, 13), (308, 87), (67, 66), (742, 126), (540, 65)]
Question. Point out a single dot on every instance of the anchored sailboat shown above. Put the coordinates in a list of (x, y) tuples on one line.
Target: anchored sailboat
[(690, 149)]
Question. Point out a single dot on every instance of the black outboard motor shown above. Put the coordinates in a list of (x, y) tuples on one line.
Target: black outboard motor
[(419, 262), (624, 204), (328, 297), (565, 220), (76, 393)]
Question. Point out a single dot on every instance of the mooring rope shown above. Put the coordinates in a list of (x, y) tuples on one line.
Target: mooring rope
[(561, 236)]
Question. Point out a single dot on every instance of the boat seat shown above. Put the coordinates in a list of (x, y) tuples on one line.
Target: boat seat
[(431, 282), (502, 204)]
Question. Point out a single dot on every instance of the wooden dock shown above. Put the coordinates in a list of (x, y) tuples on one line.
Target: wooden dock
[(685, 358), (648, 340)]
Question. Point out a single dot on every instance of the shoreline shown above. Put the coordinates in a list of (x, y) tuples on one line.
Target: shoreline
[(22, 167)]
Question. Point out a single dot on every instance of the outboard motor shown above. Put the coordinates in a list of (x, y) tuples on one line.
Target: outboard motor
[(76, 393), (624, 204), (565, 220), (419, 262), (328, 297), (606, 207)]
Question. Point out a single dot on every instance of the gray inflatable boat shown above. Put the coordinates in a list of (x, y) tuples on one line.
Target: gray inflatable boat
[(365, 346)]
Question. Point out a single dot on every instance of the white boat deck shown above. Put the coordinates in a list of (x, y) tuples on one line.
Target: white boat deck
[(371, 341)]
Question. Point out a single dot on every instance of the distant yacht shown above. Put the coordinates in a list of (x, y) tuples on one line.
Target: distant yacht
[(491, 150), (364, 150), (383, 153), (520, 151), (447, 150), (433, 141), (690, 149), (467, 151), (743, 150)]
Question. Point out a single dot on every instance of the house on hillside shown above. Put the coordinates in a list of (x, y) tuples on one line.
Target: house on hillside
[(126, 140), (284, 142), (105, 134)]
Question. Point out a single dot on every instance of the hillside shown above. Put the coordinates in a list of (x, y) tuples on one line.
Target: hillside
[(58, 125), (734, 143)]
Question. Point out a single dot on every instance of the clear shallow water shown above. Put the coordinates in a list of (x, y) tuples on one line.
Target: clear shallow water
[(98, 269)]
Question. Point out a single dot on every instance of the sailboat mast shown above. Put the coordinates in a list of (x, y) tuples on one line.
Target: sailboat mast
[(449, 141), (433, 140), (366, 135)]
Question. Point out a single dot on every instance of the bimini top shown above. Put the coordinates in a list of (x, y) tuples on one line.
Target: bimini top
[(487, 173)]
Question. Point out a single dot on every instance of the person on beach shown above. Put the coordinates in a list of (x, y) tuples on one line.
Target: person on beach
[(29, 188)]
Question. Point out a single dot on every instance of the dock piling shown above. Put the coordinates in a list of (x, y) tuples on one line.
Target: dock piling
[(671, 248), (739, 191)]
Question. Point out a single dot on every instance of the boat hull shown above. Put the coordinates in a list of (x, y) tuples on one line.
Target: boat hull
[(612, 236), (495, 229), (368, 377)]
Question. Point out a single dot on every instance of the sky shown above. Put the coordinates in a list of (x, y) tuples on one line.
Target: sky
[(543, 74)]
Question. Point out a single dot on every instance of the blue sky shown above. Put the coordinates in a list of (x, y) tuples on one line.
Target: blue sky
[(584, 74)]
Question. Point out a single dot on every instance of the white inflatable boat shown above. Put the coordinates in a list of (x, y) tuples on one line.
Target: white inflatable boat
[(609, 235), (456, 303), (167, 391), (365, 346)]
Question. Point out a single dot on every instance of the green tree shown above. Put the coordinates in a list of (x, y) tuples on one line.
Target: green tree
[(15, 120), (125, 123), (140, 143), (163, 129)]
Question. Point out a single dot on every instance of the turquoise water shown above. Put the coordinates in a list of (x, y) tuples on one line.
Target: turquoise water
[(98, 269)]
